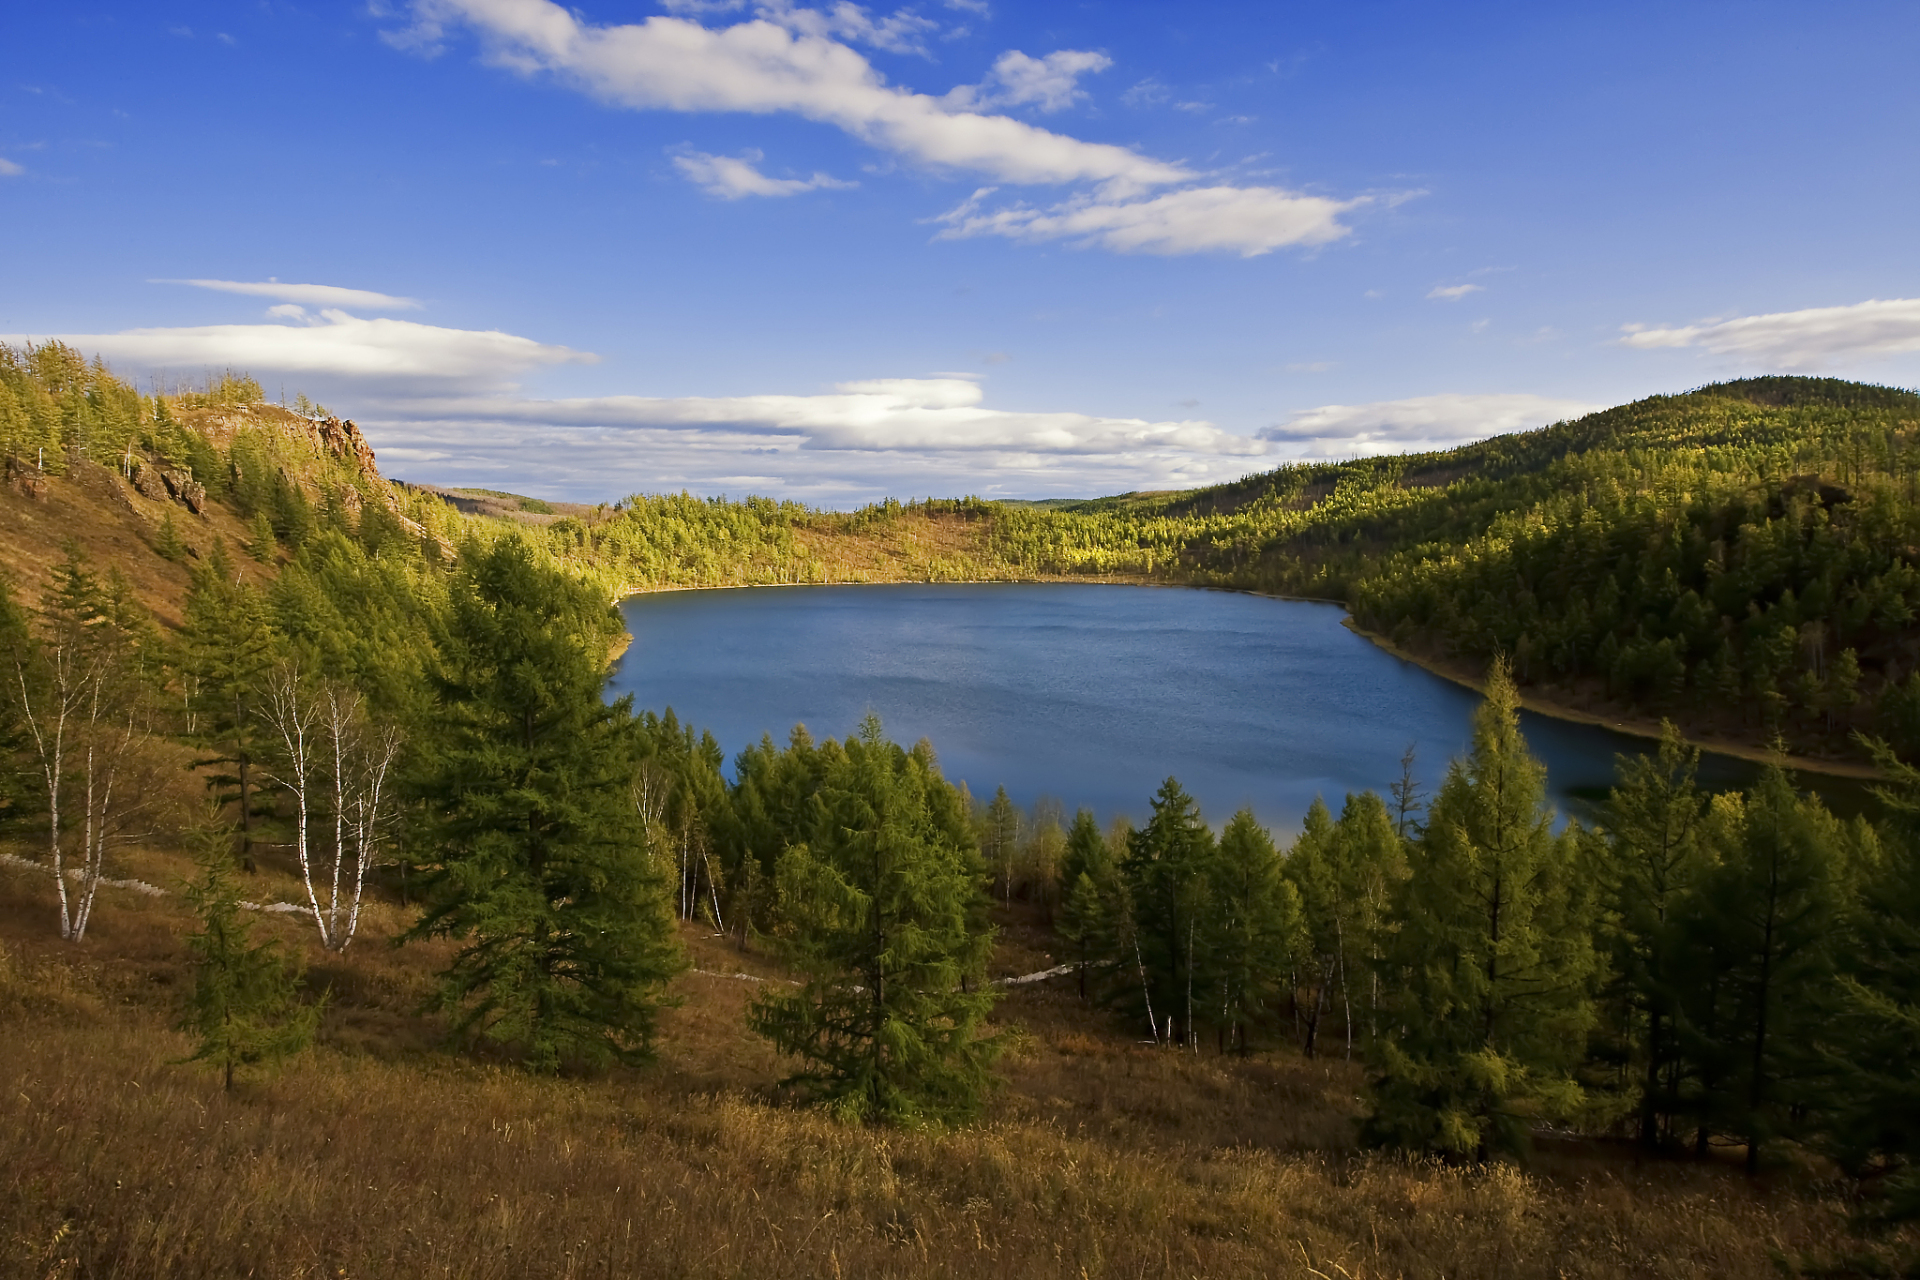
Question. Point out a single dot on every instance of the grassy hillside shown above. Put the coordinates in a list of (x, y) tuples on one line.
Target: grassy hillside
[(377, 1155)]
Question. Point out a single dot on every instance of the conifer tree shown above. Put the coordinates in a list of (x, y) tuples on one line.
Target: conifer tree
[(881, 905), (167, 543), (1872, 1094), (1165, 874), (1762, 938), (1254, 932), (225, 651), (1655, 859), (542, 868), (244, 1008), (1492, 964), (261, 544)]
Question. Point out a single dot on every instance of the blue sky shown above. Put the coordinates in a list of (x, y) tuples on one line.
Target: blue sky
[(969, 246)]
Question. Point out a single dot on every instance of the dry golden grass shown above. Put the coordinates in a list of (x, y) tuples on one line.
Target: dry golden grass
[(114, 526), (379, 1155)]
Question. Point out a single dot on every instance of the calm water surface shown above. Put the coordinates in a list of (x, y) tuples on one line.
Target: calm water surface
[(1091, 694)]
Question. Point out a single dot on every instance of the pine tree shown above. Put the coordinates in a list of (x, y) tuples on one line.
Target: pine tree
[(245, 1008), (1493, 960), (1000, 839), (881, 906), (543, 871)]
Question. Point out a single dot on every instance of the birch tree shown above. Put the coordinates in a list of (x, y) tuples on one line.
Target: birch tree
[(337, 765), (74, 681)]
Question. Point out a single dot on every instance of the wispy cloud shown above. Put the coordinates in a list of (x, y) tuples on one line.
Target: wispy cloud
[(1454, 292), (312, 295), (8, 169), (793, 60), (1246, 220), (1420, 422), (335, 344), (734, 177), (1051, 83), (876, 415), (1810, 339)]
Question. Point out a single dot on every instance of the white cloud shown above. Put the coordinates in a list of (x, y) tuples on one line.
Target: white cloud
[(763, 67), (1050, 83), (313, 295), (1246, 220), (8, 169), (918, 415), (1808, 339), (903, 32), (1421, 422), (732, 177), (854, 443), (334, 344), (1454, 292)]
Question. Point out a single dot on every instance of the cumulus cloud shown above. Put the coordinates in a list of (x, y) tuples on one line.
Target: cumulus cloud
[(1051, 83), (1808, 339), (1246, 220), (1454, 292), (312, 295), (732, 177), (1421, 422), (332, 344)]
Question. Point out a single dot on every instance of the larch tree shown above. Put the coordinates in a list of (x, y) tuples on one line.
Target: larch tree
[(880, 904), (1491, 969), (1165, 875), (1655, 858), (224, 653), (1254, 931), (541, 869), (244, 1008)]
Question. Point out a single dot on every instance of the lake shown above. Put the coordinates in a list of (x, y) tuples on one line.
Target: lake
[(1092, 694)]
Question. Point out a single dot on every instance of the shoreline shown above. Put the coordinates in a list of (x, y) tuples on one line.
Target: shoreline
[(1632, 727), (1635, 728)]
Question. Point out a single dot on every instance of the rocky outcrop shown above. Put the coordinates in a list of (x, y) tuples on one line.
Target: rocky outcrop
[(147, 482), (184, 489)]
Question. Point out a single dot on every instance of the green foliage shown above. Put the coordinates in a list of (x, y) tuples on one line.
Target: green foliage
[(1657, 858), (543, 871), (244, 1009), (880, 904), (1491, 968), (1872, 1091), (1165, 873), (222, 655), (1254, 932), (1761, 940)]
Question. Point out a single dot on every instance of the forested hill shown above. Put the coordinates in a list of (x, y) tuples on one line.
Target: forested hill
[(1740, 558)]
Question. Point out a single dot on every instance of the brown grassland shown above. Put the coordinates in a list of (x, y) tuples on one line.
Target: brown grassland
[(379, 1153)]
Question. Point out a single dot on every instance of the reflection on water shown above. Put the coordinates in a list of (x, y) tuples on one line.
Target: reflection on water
[(1090, 693)]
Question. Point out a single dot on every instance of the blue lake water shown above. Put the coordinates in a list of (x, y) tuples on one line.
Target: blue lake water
[(1092, 694)]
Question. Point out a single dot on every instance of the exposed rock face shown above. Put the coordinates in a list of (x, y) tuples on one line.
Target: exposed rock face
[(185, 490), (148, 484), (343, 440)]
